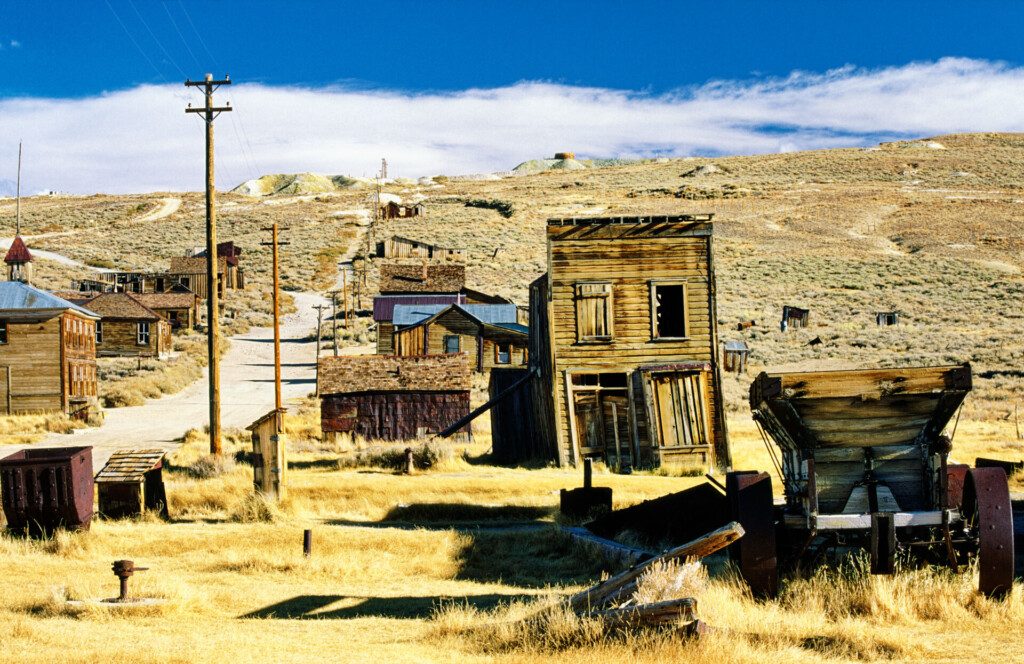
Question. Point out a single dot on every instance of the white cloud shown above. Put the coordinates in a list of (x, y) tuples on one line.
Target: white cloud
[(141, 140), (15, 43)]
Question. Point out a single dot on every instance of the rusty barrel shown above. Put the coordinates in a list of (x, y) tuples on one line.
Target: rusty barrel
[(46, 489)]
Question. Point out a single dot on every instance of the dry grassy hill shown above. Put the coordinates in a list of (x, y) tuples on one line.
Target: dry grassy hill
[(931, 227)]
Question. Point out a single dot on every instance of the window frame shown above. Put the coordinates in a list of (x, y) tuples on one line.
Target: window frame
[(458, 344), (609, 299), (5, 333), (142, 334), (652, 287), (99, 332), (497, 352)]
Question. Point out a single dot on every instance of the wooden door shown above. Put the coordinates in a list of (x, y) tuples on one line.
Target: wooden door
[(681, 408), (589, 425), (5, 389)]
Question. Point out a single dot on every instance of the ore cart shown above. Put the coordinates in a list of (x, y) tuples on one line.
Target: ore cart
[(864, 464)]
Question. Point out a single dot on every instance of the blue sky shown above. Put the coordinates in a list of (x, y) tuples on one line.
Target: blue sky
[(477, 86)]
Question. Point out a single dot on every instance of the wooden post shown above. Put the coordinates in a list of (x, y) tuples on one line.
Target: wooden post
[(319, 328), (588, 473), (334, 321), (409, 464), (344, 297), (274, 244), (210, 112), (307, 542)]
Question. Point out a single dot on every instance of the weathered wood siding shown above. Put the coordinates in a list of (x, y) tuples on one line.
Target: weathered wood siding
[(392, 415), (120, 338), (516, 433), (429, 339), (385, 338), (33, 358), (629, 257), (400, 247), (77, 350)]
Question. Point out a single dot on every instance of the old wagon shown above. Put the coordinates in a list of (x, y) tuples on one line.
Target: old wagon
[(865, 464)]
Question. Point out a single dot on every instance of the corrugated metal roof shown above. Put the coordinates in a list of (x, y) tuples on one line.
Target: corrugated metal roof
[(384, 305), (493, 314), (515, 327), (16, 296), (736, 345)]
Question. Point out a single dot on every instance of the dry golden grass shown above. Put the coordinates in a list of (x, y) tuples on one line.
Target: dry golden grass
[(30, 428)]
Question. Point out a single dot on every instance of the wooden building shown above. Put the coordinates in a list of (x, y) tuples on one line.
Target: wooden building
[(735, 356), (395, 210), (268, 454), (384, 311), (190, 272), (19, 262), (180, 309), (403, 247), (131, 484), (47, 352), (887, 318), (232, 253), (794, 318), (489, 333), (385, 397), (127, 328), (624, 343)]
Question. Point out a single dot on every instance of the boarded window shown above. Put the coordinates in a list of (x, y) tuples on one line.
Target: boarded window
[(3, 331), (142, 337), (593, 312), (668, 311), (99, 332), (452, 344), (502, 353), (681, 407)]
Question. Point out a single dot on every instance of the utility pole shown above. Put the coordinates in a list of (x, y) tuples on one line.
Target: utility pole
[(17, 221), (344, 297), (384, 168), (277, 313), (334, 321), (210, 113), (319, 328)]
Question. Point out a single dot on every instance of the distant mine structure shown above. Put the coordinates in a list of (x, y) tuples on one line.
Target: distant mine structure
[(887, 318), (395, 210), (794, 318)]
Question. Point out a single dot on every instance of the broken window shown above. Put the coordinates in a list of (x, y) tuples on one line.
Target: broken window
[(3, 331), (668, 311), (452, 344), (502, 353), (99, 332), (593, 312), (142, 336)]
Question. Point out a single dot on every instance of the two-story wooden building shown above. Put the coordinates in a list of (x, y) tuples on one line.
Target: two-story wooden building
[(47, 353), (624, 341), (489, 333)]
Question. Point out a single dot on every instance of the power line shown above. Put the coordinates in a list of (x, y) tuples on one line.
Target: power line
[(181, 36), (199, 36), (139, 48), (151, 34)]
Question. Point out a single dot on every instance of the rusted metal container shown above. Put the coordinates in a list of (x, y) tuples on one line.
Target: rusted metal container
[(46, 489)]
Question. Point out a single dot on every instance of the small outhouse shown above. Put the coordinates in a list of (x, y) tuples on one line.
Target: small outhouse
[(268, 461), (734, 358), (131, 484), (887, 318), (794, 317)]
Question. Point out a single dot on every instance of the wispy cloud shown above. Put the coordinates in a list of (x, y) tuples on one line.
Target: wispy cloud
[(15, 43), (141, 140)]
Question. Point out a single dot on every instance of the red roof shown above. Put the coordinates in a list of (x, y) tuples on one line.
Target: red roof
[(18, 253)]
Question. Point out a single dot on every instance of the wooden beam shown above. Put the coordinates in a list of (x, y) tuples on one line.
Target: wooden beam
[(487, 406)]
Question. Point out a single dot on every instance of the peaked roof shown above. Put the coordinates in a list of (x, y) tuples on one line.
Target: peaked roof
[(18, 253), (168, 300), (19, 298), (494, 314), (349, 374), (122, 306)]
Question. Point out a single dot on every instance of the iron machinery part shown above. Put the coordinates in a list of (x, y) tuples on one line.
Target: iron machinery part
[(752, 505), (956, 475), (883, 543), (988, 516)]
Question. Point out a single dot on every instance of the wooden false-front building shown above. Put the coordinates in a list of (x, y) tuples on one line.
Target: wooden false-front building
[(489, 333), (127, 328), (385, 397), (47, 353), (624, 341)]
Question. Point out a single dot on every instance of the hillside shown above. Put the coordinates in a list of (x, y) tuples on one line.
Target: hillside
[(931, 228)]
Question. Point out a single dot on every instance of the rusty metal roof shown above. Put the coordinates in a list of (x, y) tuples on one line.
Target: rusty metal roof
[(420, 278), (350, 374), (18, 253), (130, 465)]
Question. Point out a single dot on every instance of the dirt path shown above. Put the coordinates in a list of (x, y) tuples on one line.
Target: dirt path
[(169, 207), (5, 244)]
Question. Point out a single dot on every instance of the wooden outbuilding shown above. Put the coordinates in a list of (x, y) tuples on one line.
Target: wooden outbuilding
[(794, 318), (395, 210), (887, 318), (624, 343), (180, 309), (268, 451), (734, 358), (127, 328), (47, 353), (489, 333), (131, 484), (390, 398), (19, 262), (403, 247)]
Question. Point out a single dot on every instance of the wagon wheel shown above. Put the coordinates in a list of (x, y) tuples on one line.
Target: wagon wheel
[(751, 504), (989, 518)]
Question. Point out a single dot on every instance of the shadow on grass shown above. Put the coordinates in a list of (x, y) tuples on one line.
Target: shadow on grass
[(456, 512), (315, 607)]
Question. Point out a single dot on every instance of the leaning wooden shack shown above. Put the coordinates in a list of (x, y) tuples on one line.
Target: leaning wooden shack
[(268, 453), (624, 343), (385, 397)]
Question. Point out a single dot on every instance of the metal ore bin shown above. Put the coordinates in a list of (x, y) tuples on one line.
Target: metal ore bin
[(46, 489)]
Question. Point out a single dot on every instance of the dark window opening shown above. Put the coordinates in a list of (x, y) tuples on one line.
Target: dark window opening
[(669, 310), (503, 353), (452, 344), (3, 332)]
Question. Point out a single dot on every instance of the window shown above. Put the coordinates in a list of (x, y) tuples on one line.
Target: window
[(593, 312), (159, 284), (452, 344), (99, 332), (668, 310), (502, 353), (3, 331), (186, 282), (142, 336)]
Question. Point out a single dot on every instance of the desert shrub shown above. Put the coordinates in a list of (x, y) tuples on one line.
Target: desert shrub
[(504, 208), (392, 457)]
